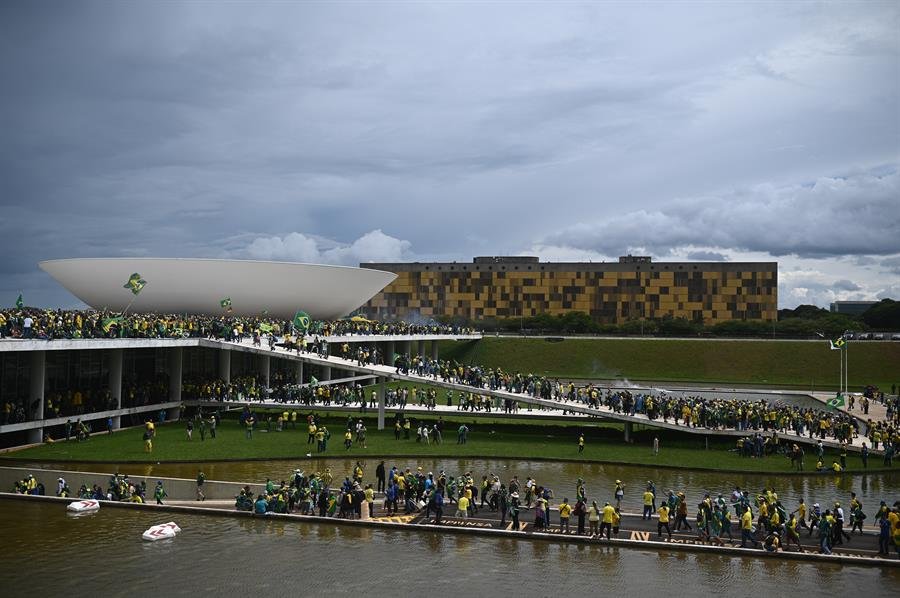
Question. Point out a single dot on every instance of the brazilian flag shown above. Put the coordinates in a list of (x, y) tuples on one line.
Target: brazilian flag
[(838, 344), (107, 323), (301, 321), (837, 401), (226, 304), (19, 302), (135, 283)]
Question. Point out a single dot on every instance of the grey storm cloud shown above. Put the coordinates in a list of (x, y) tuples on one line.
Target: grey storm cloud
[(856, 214), (707, 256), (353, 132)]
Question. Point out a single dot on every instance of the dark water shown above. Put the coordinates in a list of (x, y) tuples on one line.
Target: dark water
[(47, 552), (600, 479)]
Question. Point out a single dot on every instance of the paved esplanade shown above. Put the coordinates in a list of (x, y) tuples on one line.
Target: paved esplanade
[(385, 372)]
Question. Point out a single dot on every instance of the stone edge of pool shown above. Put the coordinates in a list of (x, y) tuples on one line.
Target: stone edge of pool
[(531, 536)]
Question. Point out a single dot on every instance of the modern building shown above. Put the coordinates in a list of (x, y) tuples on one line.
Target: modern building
[(851, 308), (198, 286), (635, 287)]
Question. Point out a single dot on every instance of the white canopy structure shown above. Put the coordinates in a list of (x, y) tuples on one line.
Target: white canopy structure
[(197, 286)]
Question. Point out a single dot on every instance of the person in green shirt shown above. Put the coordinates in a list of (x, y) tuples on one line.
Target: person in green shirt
[(160, 492), (201, 478)]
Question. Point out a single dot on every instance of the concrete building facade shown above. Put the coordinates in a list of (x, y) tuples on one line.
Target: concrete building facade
[(613, 293)]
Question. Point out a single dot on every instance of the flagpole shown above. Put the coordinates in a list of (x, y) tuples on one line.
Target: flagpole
[(841, 375), (846, 367), (133, 299)]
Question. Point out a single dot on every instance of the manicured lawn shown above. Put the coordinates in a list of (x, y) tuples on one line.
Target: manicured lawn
[(783, 364), (518, 441)]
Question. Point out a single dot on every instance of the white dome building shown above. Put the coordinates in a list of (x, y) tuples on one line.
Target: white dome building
[(197, 286)]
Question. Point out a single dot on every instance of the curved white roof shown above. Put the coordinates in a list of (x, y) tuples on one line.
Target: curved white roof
[(196, 286)]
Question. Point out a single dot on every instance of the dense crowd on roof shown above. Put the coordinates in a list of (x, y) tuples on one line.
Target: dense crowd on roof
[(48, 324)]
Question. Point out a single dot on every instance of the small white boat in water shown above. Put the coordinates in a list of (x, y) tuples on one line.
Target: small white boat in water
[(164, 531), (83, 506)]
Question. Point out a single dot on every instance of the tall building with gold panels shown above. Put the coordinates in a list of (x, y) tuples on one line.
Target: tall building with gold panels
[(632, 288)]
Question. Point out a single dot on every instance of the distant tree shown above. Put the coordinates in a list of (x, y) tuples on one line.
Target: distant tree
[(884, 315)]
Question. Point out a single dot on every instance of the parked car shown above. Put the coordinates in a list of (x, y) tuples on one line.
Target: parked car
[(895, 337), (878, 336), (865, 336)]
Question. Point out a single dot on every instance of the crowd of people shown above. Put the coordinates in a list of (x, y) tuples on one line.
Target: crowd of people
[(690, 411), (50, 324), (757, 519)]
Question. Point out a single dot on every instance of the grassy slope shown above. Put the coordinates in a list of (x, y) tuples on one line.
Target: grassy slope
[(798, 364), (486, 440)]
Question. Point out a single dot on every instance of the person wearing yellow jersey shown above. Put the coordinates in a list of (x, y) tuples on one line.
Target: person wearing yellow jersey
[(370, 499), (792, 534), (312, 433), (580, 443), (617, 519), (663, 512), (565, 511), (462, 507), (747, 529), (609, 513), (648, 505), (836, 467), (348, 439)]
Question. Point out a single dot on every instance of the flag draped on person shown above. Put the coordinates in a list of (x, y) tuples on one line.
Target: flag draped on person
[(301, 321), (20, 303), (107, 323), (313, 381), (226, 304), (135, 283), (837, 345)]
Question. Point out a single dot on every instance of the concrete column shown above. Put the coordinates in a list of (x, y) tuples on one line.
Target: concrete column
[(381, 393), (421, 348), (389, 350), (225, 365), (407, 348), (326, 373), (628, 430), (298, 371), (37, 378), (264, 369), (175, 359), (434, 350), (115, 382)]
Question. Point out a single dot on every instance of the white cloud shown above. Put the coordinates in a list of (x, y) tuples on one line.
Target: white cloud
[(374, 246)]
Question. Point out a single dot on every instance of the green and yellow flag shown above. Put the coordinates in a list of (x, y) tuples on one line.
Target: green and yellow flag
[(135, 283), (19, 302), (838, 344), (301, 321), (226, 304), (107, 323), (836, 402)]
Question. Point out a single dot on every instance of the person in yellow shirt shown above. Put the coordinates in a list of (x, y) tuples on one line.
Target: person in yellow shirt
[(836, 467), (348, 439), (617, 519), (663, 512), (565, 511), (609, 513), (747, 529), (462, 507), (648, 505)]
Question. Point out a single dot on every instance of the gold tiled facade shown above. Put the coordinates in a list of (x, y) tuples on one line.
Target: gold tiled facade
[(634, 288)]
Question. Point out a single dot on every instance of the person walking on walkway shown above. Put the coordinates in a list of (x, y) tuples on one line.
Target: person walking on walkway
[(663, 522), (160, 493), (201, 479)]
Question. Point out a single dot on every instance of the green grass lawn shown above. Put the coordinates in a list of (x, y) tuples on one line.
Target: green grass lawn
[(799, 365), (486, 439)]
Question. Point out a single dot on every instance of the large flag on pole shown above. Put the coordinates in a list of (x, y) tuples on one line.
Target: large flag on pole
[(135, 283), (838, 344), (301, 321), (837, 401), (20, 303), (226, 304), (107, 323)]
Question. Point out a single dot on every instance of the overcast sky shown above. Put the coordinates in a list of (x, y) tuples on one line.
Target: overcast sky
[(348, 132)]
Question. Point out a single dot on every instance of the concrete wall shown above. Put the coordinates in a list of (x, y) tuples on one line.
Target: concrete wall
[(178, 489)]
